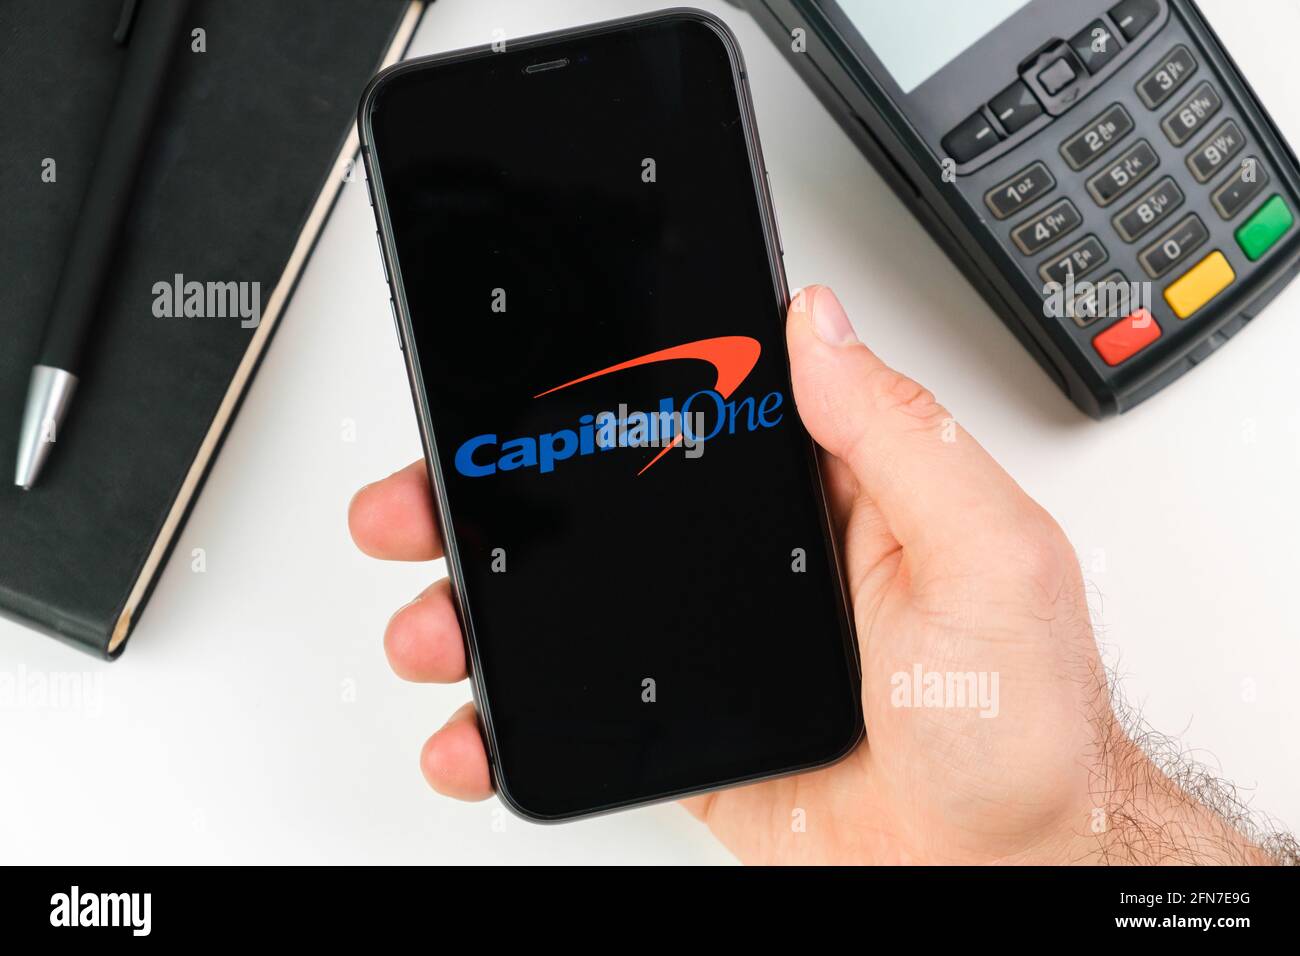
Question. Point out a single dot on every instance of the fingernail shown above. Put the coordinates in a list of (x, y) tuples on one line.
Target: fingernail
[(830, 321)]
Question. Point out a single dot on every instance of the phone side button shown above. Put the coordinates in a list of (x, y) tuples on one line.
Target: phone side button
[(776, 221), (392, 308), (383, 263)]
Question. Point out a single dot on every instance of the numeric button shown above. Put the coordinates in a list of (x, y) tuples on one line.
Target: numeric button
[(1124, 173), (1219, 147), (1174, 246), (1049, 225), (1169, 74), (1191, 114), (1007, 198), (1097, 137), (1078, 260), (1149, 210)]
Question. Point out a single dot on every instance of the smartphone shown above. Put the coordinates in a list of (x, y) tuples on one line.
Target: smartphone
[(1100, 170), (587, 285)]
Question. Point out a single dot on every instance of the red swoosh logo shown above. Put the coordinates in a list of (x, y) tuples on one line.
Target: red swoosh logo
[(733, 357)]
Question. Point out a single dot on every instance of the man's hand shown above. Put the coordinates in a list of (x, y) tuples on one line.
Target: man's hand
[(955, 575)]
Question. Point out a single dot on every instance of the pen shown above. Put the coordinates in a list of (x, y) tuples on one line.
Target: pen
[(151, 30)]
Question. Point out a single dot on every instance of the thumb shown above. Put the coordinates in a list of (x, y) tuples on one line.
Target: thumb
[(932, 482)]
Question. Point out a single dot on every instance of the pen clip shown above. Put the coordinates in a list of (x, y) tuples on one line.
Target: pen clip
[(124, 21)]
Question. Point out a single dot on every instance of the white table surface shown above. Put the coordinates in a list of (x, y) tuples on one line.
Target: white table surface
[(254, 718)]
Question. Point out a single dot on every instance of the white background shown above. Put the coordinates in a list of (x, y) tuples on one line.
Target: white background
[(223, 733)]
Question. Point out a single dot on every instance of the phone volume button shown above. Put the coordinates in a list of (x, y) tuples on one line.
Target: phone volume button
[(392, 308), (776, 222), (383, 263)]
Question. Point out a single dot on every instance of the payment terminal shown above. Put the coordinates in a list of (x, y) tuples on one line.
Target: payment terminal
[(1101, 172)]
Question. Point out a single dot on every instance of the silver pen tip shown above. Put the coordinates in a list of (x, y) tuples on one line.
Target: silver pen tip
[(48, 395)]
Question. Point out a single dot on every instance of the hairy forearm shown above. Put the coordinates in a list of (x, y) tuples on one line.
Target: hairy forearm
[(1161, 809), (1150, 818)]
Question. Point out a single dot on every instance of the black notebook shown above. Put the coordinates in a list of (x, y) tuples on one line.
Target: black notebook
[(253, 139)]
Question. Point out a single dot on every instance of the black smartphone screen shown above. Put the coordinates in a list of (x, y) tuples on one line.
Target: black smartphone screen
[(632, 505)]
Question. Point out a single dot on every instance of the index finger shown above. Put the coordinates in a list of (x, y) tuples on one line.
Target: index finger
[(394, 519)]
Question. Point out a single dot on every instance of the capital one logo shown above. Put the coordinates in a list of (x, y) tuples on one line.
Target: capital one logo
[(670, 425)]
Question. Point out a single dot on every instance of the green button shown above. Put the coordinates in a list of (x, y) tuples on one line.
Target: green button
[(1258, 233)]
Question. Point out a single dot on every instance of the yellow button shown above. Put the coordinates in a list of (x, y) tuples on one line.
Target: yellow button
[(1199, 284)]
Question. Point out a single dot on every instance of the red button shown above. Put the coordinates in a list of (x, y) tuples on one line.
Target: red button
[(1126, 337)]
